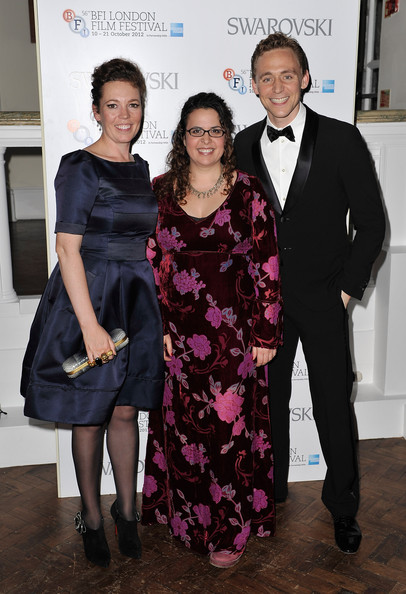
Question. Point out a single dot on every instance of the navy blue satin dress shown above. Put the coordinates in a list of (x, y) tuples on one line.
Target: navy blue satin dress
[(112, 205)]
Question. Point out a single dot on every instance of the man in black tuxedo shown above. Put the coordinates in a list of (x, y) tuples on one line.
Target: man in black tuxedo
[(314, 170)]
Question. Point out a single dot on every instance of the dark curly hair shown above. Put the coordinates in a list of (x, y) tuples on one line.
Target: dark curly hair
[(281, 41), (176, 180), (117, 69)]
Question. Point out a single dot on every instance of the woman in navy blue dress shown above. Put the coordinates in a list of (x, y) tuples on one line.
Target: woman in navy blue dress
[(105, 212)]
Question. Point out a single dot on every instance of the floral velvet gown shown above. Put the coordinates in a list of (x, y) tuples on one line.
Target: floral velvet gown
[(209, 463)]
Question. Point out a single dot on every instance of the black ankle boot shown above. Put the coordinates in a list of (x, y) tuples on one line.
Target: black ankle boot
[(94, 541), (128, 540)]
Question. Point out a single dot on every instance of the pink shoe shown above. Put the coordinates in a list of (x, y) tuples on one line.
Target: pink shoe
[(225, 559)]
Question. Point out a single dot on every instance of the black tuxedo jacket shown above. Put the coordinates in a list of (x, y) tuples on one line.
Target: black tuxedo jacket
[(334, 173)]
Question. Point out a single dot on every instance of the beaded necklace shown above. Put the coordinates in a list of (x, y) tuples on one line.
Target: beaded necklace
[(210, 191)]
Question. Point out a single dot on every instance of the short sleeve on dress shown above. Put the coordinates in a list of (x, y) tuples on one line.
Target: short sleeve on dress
[(76, 186)]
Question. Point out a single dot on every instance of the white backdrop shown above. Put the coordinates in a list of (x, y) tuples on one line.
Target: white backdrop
[(183, 48)]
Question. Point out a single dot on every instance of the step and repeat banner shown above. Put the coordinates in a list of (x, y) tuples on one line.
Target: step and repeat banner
[(182, 48)]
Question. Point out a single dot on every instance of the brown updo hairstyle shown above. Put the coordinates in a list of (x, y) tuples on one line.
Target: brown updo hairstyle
[(122, 70), (176, 180)]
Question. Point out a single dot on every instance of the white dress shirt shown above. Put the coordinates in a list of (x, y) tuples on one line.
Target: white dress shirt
[(281, 155)]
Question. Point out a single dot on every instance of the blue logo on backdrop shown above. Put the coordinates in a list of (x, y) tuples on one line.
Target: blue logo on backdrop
[(176, 29), (328, 86), (314, 459)]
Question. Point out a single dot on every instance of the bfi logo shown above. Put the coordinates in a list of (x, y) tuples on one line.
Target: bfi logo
[(76, 23), (235, 81)]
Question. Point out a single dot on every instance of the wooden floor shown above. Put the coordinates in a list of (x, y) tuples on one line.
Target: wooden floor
[(40, 553)]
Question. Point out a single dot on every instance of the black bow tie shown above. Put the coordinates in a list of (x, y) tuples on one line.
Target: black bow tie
[(273, 133)]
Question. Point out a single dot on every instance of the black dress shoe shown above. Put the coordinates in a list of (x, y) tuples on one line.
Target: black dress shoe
[(347, 534), (94, 542), (126, 530)]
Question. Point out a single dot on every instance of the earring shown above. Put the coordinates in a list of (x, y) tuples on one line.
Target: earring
[(99, 126)]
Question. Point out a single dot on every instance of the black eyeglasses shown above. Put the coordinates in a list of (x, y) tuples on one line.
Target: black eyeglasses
[(214, 132)]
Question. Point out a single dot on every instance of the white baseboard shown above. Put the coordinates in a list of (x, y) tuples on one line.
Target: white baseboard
[(25, 442), (379, 416)]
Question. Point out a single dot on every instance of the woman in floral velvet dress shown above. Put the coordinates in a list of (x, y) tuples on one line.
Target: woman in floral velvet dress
[(209, 466)]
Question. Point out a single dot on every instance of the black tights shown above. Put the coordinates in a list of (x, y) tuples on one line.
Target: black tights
[(123, 446)]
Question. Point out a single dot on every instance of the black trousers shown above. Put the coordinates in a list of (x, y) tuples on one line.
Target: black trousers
[(324, 337)]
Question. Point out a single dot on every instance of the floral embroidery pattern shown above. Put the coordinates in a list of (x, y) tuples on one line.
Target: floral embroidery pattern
[(228, 406), (195, 455), (222, 217), (200, 345), (203, 514), (272, 312), (150, 485), (213, 315), (260, 500), (258, 207), (272, 267), (185, 282), (168, 239), (209, 469), (247, 366)]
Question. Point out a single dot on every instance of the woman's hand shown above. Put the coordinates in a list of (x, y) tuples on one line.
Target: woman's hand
[(98, 342), (168, 352), (262, 356)]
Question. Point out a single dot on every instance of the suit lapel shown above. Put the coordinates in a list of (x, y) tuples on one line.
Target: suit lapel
[(304, 160), (262, 170)]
